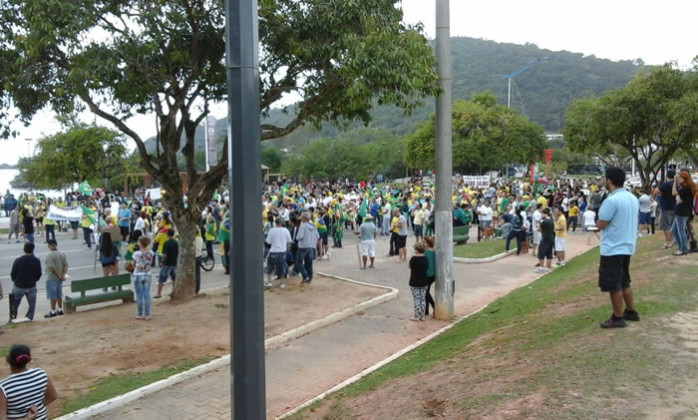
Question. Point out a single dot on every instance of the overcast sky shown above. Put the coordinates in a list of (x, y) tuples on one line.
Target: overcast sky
[(657, 32)]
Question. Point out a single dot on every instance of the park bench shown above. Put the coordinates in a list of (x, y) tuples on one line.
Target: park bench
[(99, 283), (461, 234)]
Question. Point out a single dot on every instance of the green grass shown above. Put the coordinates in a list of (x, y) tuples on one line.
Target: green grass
[(122, 383), (553, 323), (482, 249)]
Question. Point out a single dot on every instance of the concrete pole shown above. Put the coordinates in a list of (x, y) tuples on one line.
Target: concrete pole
[(248, 398), (444, 167)]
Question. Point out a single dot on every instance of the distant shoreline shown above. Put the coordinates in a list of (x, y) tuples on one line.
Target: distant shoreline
[(6, 166)]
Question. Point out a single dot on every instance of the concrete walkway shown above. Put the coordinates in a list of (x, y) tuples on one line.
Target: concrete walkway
[(301, 369)]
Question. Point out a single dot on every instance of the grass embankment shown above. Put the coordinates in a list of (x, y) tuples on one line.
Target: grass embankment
[(122, 383), (539, 353), (483, 249)]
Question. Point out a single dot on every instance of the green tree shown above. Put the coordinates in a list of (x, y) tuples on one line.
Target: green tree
[(651, 119), (272, 157), (83, 152), (485, 136), (122, 57)]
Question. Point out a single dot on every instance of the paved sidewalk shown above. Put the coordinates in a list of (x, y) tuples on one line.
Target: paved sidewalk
[(303, 368)]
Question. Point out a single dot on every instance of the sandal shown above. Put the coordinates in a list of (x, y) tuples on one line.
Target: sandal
[(157, 297)]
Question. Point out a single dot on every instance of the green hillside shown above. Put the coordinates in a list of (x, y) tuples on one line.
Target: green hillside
[(541, 93)]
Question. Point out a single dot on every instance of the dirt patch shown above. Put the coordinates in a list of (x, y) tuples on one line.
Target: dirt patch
[(78, 349)]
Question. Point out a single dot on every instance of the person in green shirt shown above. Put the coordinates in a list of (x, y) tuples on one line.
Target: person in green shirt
[(168, 262)]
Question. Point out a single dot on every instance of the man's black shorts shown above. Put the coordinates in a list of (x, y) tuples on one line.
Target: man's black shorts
[(545, 250), (401, 241), (614, 273)]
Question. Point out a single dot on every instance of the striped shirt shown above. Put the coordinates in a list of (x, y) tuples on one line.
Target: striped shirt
[(24, 389)]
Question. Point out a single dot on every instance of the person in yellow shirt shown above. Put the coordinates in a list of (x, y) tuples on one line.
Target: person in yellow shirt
[(393, 233), (574, 216), (86, 225), (560, 236)]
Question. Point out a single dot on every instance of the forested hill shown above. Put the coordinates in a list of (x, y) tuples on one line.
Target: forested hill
[(542, 92)]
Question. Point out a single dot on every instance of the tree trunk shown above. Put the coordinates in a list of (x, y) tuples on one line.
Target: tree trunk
[(184, 286)]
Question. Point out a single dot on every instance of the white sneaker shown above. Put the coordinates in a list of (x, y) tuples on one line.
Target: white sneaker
[(283, 285), (267, 284)]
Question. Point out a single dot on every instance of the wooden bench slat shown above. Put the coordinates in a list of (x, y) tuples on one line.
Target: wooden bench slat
[(99, 283)]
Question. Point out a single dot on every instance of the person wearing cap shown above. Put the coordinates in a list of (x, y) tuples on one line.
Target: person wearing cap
[(56, 268), (26, 393), (307, 237)]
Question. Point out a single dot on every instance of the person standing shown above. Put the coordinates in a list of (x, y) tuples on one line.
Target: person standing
[(198, 252), (367, 236), (537, 218), (26, 392), (14, 225), (684, 190), (617, 221), (547, 241), (50, 227), (86, 225), (386, 210), (667, 207), (418, 223), (28, 226), (108, 256), (644, 214), (168, 262), (142, 274), (418, 281), (279, 238), (430, 255), (560, 237), (26, 272), (56, 269), (401, 236), (307, 237), (124, 221)]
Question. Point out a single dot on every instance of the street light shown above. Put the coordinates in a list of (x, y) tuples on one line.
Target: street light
[(29, 142), (517, 72)]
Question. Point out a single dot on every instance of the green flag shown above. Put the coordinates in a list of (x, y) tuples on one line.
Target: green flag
[(362, 209), (85, 188), (89, 213)]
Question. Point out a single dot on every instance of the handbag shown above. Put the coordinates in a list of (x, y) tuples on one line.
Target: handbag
[(130, 266)]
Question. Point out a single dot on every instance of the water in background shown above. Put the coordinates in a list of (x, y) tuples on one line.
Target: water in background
[(7, 175)]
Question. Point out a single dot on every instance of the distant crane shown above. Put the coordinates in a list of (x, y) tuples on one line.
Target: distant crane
[(517, 72)]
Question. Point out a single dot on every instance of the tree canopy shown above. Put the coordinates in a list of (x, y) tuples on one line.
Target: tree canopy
[(118, 58), (80, 153), (651, 119), (485, 136)]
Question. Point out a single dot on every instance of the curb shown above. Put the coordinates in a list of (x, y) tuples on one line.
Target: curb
[(484, 260), (380, 364), (121, 400)]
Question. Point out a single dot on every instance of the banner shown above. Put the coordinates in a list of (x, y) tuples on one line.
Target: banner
[(155, 193), (477, 181), (211, 149), (70, 214)]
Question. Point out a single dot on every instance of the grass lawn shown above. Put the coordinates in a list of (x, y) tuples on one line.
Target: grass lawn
[(482, 249), (539, 353)]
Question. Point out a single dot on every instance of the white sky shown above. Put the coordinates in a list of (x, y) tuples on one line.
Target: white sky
[(657, 32)]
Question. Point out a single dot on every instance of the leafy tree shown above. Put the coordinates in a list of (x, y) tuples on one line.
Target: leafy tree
[(651, 119), (80, 153), (485, 136), (272, 157), (122, 57)]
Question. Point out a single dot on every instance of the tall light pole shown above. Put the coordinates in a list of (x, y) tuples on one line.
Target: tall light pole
[(510, 77), (29, 142), (444, 167), (248, 396)]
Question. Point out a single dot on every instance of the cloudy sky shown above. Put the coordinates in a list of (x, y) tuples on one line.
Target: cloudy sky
[(657, 32)]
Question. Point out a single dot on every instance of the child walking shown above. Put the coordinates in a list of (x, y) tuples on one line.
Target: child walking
[(418, 281)]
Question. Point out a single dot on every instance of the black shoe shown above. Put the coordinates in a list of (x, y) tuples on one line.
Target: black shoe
[(50, 315), (613, 322), (631, 315), (59, 312)]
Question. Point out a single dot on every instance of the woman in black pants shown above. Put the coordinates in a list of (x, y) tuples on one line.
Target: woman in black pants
[(430, 254)]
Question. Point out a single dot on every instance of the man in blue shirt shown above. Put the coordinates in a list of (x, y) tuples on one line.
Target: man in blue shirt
[(124, 221), (618, 225)]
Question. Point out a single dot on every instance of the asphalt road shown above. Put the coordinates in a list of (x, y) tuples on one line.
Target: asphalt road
[(82, 265)]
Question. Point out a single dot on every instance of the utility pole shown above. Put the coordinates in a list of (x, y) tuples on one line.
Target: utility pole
[(248, 397), (444, 167)]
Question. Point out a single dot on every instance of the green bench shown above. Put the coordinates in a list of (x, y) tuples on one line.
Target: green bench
[(461, 234), (99, 283)]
